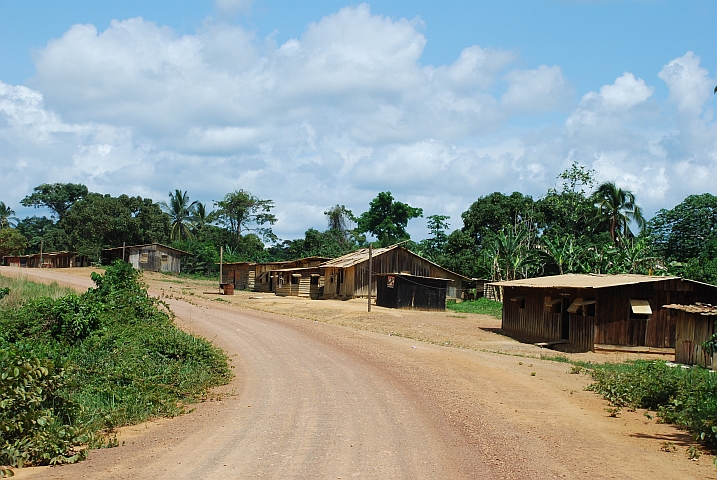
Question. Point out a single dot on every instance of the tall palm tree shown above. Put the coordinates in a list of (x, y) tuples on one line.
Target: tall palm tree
[(616, 209), (6, 216), (180, 211)]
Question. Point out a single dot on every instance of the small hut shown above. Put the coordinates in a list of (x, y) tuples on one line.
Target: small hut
[(152, 257), (411, 292), (610, 312), (695, 325), (347, 276)]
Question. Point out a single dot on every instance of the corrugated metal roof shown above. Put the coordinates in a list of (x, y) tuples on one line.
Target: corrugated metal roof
[(582, 281), (354, 258), (701, 308), (148, 245)]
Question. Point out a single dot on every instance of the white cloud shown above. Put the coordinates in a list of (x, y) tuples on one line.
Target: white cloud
[(334, 116)]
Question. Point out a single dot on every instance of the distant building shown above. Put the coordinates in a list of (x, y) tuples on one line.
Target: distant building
[(152, 257), (47, 260), (599, 311), (347, 276)]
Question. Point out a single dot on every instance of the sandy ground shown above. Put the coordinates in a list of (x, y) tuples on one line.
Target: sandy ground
[(326, 390)]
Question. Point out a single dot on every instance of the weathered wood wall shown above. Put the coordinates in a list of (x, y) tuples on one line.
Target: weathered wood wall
[(411, 293), (613, 322), (397, 260), (154, 258), (692, 330)]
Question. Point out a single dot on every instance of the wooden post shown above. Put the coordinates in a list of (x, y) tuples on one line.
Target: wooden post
[(370, 273), (123, 247), (42, 244), (221, 260)]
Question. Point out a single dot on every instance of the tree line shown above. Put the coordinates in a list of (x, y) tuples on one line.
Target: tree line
[(576, 227)]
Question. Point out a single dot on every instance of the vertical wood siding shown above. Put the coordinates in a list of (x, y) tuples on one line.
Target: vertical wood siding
[(692, 331)]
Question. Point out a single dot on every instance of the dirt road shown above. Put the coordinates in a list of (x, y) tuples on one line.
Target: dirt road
[(315, 400)]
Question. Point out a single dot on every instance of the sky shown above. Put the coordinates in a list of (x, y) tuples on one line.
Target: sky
[(313, 104)]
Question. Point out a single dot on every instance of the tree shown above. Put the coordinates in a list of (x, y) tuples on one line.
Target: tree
[(569, 212), (616, 209), (241, 212), (432, 248), (496, 211), (6, 216), (387, 219), (339, 218), (200, 217), (102, 221), (685, 231), (12, 242), (58, 197), (42, 231), (180, 211)]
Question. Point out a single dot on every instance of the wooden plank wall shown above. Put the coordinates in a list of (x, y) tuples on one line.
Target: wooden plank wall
[(582, 331), (397, 260), (692, 330), (535, 320), (411, 294)]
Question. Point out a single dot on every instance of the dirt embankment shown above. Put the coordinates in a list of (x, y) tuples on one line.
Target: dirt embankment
[(422, 395)]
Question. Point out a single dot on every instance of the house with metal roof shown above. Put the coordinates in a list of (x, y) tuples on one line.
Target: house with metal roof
[(347, 276), (152, 257), (599, 311)]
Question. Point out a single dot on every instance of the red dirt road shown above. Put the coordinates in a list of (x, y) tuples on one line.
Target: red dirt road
[(313, 400)]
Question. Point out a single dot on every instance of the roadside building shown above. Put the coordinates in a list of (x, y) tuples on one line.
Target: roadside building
[(47, 260), (268, 276), (347, 276), (152, 257), (411, 292), (599, 311), (694, 326)]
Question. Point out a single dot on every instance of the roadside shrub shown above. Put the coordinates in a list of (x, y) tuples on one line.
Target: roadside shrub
[(31, 411), (83, 364), (684, 397)]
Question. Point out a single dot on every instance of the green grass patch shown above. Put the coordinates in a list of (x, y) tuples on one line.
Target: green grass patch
[(74, 367), (686, 397), (481, 306), (21, 290)]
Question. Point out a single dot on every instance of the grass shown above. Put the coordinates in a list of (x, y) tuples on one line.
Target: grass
[(481, 306), (22, 290)]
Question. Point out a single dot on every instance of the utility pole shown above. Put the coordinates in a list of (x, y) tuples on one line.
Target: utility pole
[(221, 261), (42, 244), (370, 273)]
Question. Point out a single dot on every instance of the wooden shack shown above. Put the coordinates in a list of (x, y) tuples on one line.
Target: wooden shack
[(301, 282), (47, 260), (411, 292), (695, 325), (599, 311), (152, 257), (347, 276), (241, 274), (265, 277)]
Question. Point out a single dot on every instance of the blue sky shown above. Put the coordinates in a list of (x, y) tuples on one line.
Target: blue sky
[(325, 102)]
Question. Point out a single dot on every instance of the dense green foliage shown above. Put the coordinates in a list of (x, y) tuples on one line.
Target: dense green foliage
[(81, 364), (481, 306), (387, 219), (685, 397)]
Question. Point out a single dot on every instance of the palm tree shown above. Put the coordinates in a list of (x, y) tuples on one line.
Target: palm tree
[(616, 209), (6, 216), (200, 217), (180, 211)]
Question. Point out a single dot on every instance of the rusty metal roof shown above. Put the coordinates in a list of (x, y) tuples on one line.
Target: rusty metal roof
[(572, 280), (354, 258), (700, 308)]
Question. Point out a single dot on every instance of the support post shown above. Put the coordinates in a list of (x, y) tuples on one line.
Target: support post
[(370, 273), (123, 247), (42, 244), (221, 261)]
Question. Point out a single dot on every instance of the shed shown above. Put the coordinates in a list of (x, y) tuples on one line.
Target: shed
[(301, 282), (599, 311), (152, 257), (347, 276), (62, 259), (262, 277), (411, 292), (695, 325), (241, 274)]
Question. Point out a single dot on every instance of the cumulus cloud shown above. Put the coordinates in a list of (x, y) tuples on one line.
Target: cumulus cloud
[(334, 116)]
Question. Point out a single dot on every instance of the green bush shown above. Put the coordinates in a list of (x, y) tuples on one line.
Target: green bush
[(81, 364), (481, 305), (684, 397)]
